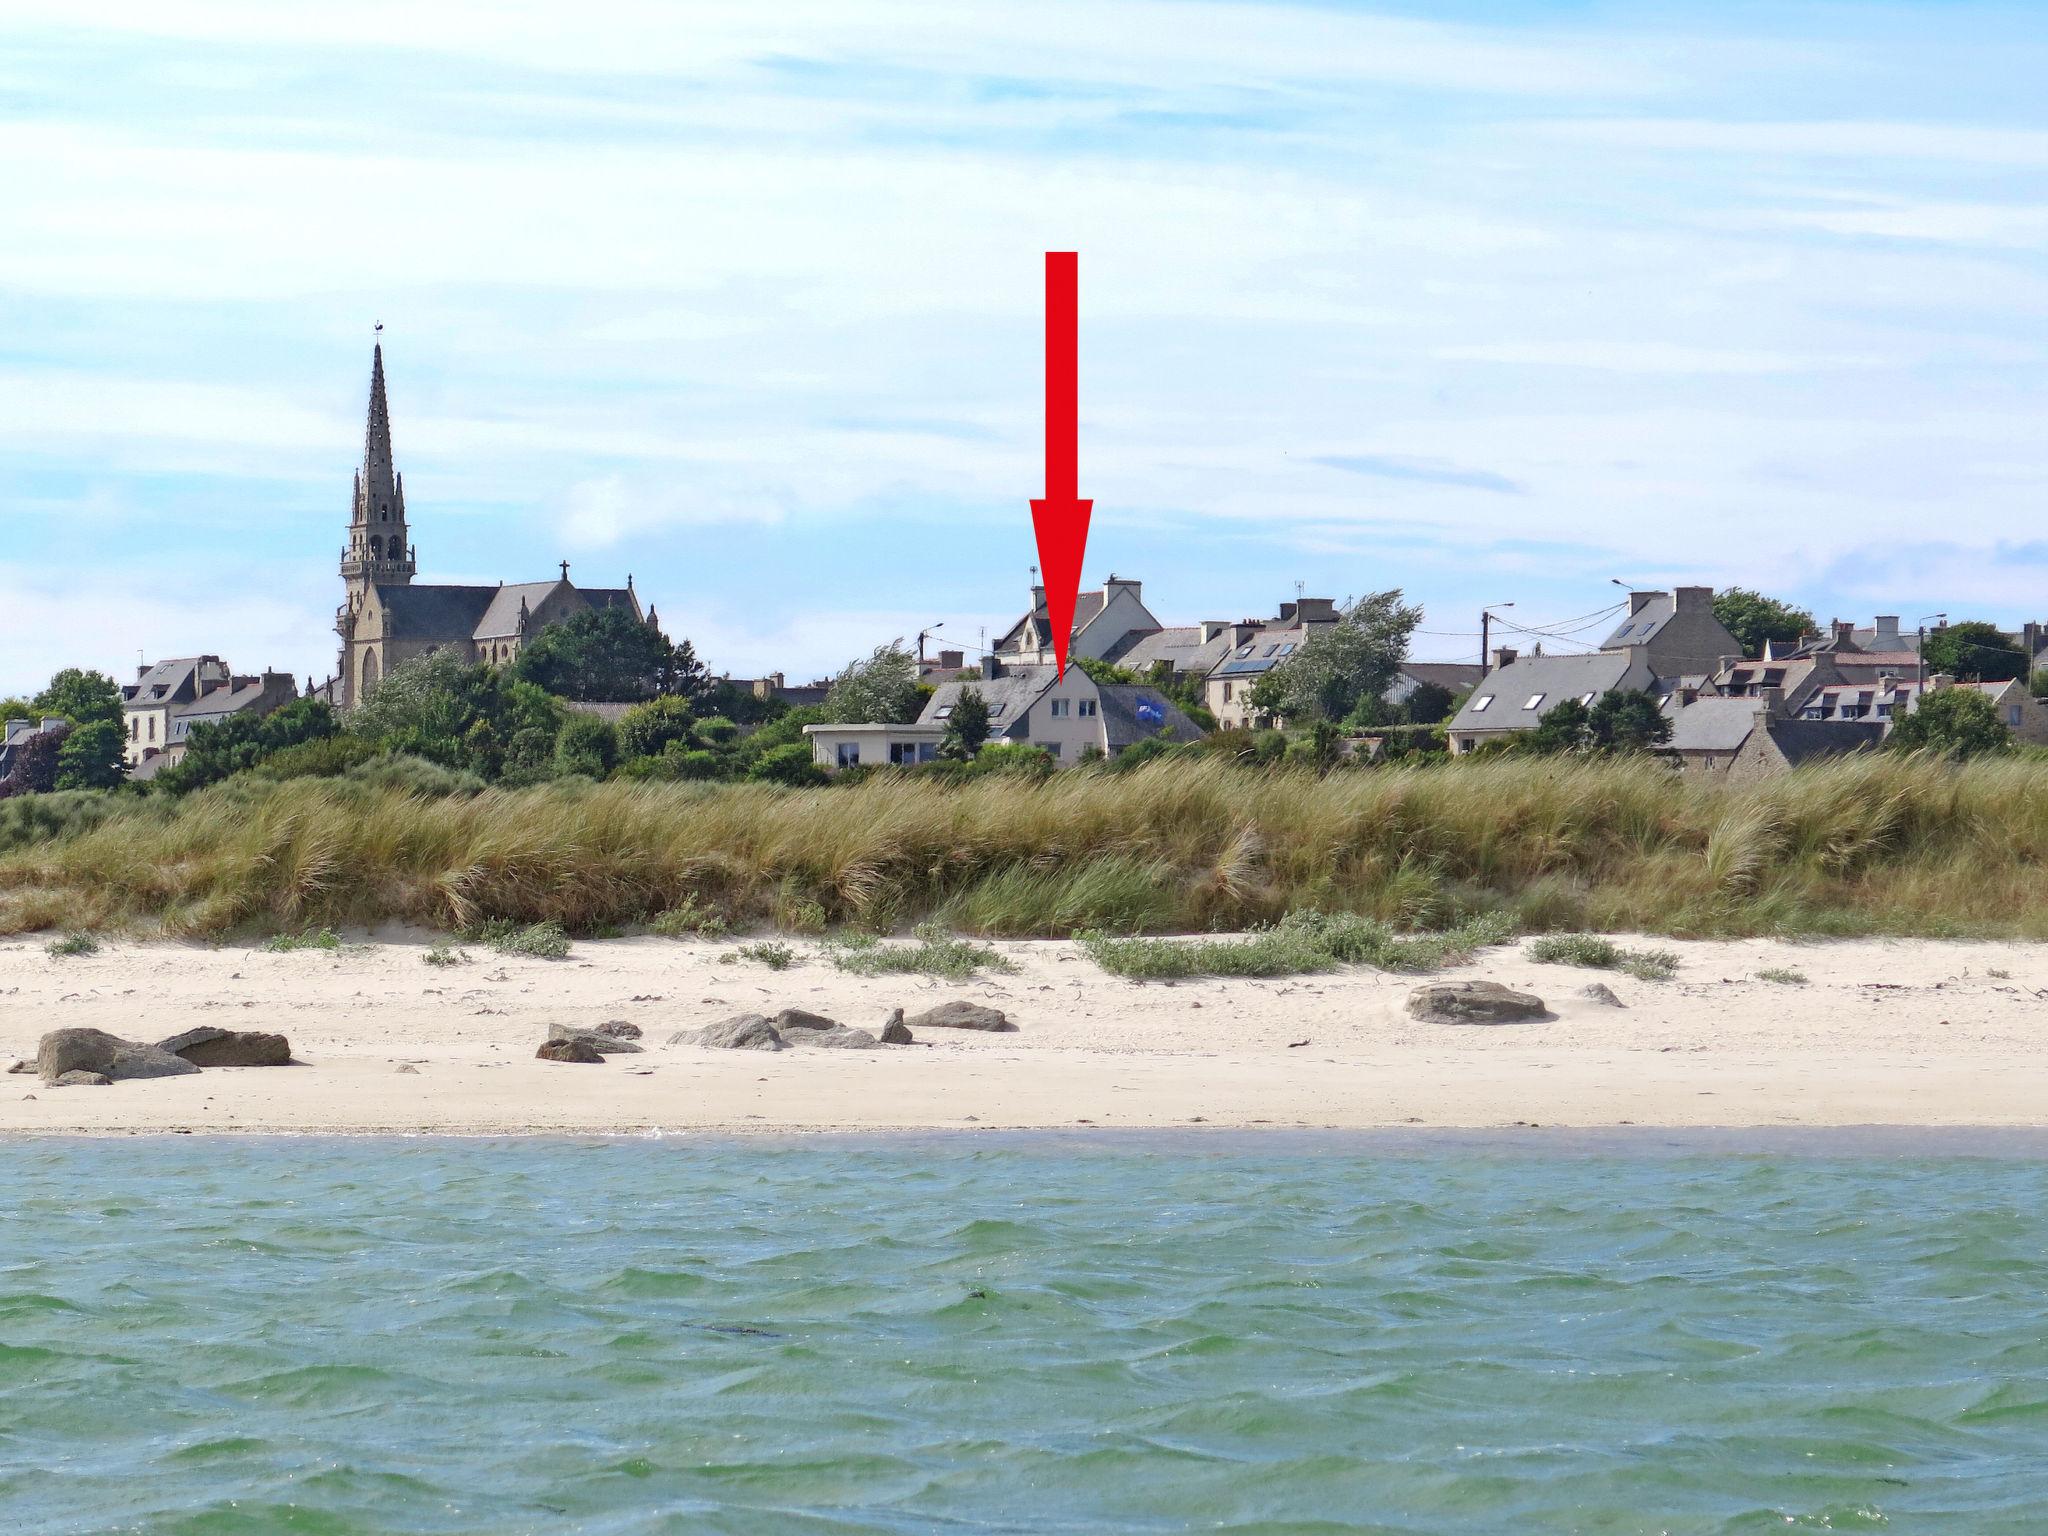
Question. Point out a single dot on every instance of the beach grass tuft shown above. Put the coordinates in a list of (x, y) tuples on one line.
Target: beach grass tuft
[(72, 945), (288, 943), (1300, 943), (1783, 976), (1598, 953), (772, 953), (935, 953)]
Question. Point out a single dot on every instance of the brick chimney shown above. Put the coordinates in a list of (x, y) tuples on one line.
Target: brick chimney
[(1316, 610), (1844, 632), (1770, 703)]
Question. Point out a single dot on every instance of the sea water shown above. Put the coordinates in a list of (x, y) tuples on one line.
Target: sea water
[(976, 1334)]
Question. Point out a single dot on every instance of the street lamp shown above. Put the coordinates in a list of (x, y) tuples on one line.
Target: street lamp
[(929, 629), (1485, 636)]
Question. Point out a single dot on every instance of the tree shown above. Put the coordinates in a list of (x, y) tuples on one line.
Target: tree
[(881, 690), (215, 750), (1564, 727), (586, 745), (1428, 704), (1957, 722), (646, 729), (90, 757), (462, 715), (80, 697), (1973, 649), (36, 764), (966, 728), (1338, 665), (1628, 720), (1620, 720), (607, 656), (1753, 618)]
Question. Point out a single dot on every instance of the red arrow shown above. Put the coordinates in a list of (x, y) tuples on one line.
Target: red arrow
[(1060, 519)]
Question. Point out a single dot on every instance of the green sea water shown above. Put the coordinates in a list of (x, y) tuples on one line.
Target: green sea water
[(1020, 1334)]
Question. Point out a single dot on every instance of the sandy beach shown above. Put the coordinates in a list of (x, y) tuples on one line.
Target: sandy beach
[(1883, 1033)]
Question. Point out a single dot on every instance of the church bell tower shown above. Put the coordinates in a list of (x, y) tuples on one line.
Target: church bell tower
[(379, 552)]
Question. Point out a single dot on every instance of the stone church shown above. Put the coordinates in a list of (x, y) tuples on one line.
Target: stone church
[(386, 620)]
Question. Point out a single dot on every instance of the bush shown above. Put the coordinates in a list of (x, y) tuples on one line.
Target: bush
[(321, 758), (773, 954), (791, 765), (412, 776), (648, 729), (536, 941), (26, 819), (586, 745), (287, 943), (71, 946), (936, 953), (444, 955)]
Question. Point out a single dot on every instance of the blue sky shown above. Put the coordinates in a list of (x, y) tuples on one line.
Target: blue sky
[(1489, 302)]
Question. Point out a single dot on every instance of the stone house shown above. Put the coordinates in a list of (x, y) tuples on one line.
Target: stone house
[(1066, 716), (1665, 640), (1106, 621), (1262, 646), (168, 698), (17, 734), (386, 620)]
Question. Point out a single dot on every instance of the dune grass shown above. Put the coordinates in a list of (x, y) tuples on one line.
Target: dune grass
[(936, 953), (1590, 949), (1876, 845)]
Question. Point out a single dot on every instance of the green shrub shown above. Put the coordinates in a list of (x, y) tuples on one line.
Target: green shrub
[(647, 730), (1783, 976), (936, 953), (72, 944), (791, 765), (413, 776), (445, 955), (587, 745), (324, 757), (1299, 943), (688, 920), (536, 941), (286, 943), (772, 953), (1602, 954)]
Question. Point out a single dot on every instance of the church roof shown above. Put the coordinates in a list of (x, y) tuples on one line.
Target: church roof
[(501, 618), (434, 613)]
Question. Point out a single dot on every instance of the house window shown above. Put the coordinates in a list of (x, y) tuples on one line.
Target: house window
[(152, 727), (927, 751), (995, 711), (1061, 708), (1048, 746), (134, 726), (1226, 693), (2012, 716), (1273, 650), (944, 712), (1287, 649), (1535, 699), (901, 752), (1587, 698), (849, 753), (1088, 709), (1479, 704), (1246, 651), (1623, 630)]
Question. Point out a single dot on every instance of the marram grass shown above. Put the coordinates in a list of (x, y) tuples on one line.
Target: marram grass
[(1882, 844)]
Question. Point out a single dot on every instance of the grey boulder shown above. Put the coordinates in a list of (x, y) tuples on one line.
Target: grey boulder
[(801, 1019), (83, 1080), (964, 1016), (896, 1032), (616, 1029), (838, 1038), (210, 1047), (1473, 1002), (94, 1050), (580, 1052), (1599, 992), (741, 1032), (604, 1044)]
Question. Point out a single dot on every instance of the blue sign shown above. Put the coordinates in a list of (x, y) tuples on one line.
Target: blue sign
[(1150, 711)]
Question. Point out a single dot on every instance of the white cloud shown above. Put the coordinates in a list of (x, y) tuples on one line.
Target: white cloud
[(1652, 357), (1872, 141)]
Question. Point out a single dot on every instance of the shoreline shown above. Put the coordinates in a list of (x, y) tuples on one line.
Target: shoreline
[(1909, 1035)]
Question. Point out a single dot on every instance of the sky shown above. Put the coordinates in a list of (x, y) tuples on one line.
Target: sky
[(1493, 302)]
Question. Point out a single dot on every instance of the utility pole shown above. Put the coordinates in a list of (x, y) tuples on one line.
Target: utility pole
[(1486, 636)]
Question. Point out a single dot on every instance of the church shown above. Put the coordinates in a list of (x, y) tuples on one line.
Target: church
[(386, 619)]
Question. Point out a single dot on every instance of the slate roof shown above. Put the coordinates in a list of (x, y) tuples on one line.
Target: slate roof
[(1800, 741), (1445, 674), (501, 618), (1086, 606), (1713, 725), (1639, 627), (1009, 697), (1556, 678), (166, 680), (1132, 713), (1180, 646), (422, 612)]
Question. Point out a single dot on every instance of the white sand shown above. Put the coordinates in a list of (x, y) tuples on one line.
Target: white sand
[(1920, 1034)]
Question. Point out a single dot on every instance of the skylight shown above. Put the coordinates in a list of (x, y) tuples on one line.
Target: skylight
[(1535, 699), (944, 710), (1587, 698), (1479, 704), (1623, 630)]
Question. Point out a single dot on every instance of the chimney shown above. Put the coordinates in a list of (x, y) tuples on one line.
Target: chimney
[(1286, 613), (1109, 587), (51, 722), (1687, 695), (1037, 597), (2030, 639), (1637, 600), (991, 668), (1770, 703), (1316, 610), (1723, 663), (1887, 637), (1691, 599), (1941, 680), (1503, 655), (1844, 633), (952, 661)]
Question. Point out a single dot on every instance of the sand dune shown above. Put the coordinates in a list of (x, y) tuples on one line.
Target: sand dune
[(1907, 1033)]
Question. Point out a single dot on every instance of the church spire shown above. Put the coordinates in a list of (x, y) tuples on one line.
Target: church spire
[(379, 551)]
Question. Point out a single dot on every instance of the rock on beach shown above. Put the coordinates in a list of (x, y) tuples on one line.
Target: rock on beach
[(210, 1047), (964, 1016), (598, 1040), (1473, 1002), (580, 1052), (96, 1051)]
